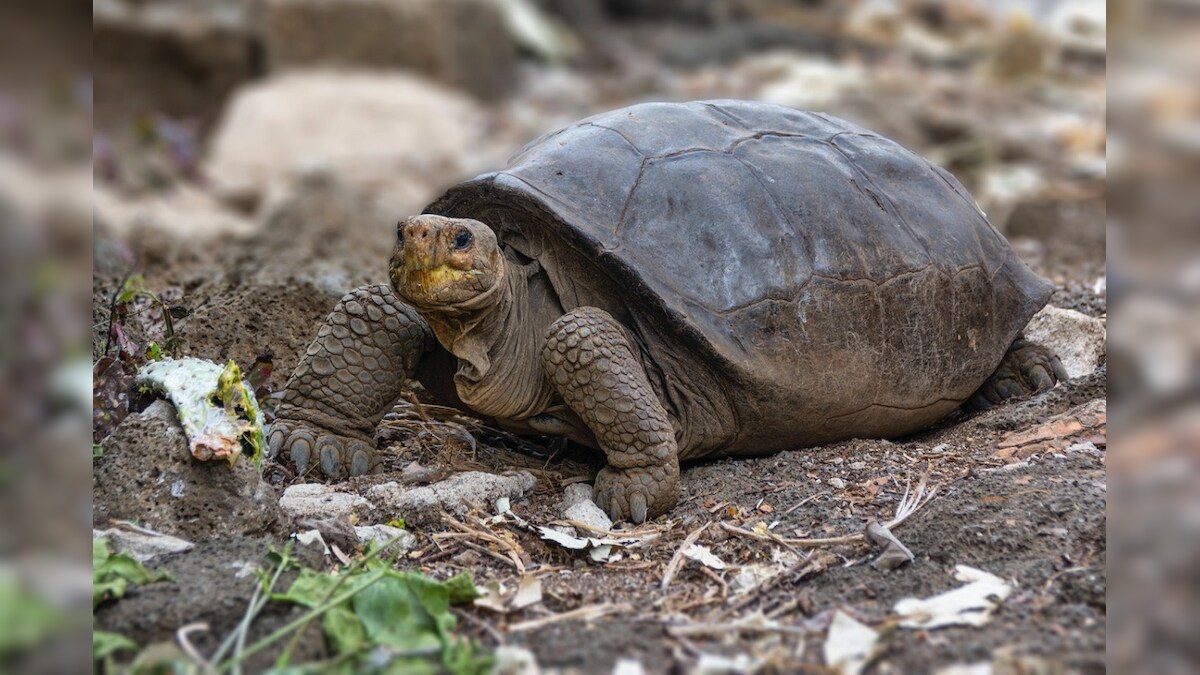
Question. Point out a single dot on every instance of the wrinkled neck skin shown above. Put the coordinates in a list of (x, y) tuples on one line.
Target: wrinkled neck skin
[(497, 339)]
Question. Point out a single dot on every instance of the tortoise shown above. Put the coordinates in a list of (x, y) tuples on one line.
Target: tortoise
[(673, 281)]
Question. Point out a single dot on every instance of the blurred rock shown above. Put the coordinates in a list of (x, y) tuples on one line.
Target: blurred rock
[(1081, 28), (317, 501), (393, 134), (146, 475), (424, 505), (804, 82), (1077, 339), (178, 57), (461, 43)]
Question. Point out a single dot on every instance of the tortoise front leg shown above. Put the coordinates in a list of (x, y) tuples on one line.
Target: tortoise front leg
[(592, 364), (350, 376)]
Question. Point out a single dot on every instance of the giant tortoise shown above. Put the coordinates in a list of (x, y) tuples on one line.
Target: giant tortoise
[(671, 281)]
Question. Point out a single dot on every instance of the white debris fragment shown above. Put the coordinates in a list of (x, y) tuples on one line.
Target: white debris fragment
[(966, 669), (628, 667), (310, 537), (512, 660), (716, 664), (704, 555), (969, 605), (529, 592), (215, 405), (601, 548), (850, 645)]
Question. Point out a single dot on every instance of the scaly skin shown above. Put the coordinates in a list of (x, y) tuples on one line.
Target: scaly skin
[(1027, 368), (590, 362), (350, 376)]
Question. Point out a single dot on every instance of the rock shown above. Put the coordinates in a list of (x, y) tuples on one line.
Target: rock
[(147, 475), (578, 506), (422, 505), (805, 82), (461, 43), (317, 501), (140, 543), (177, 57), (382, 534), (390, 134), (1078, 339)]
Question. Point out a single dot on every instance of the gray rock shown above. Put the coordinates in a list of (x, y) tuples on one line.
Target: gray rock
[(578, 506), (317, 501), (140, 543), (147, 475), (1078, 339), (423, 505), (462, 43)]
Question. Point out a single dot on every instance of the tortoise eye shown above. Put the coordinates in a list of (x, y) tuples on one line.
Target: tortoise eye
[(462, 240), (400, 232)]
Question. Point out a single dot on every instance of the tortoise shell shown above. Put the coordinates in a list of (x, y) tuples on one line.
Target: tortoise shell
[(817, 280)]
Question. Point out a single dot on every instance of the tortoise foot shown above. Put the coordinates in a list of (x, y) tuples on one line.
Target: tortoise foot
[(637, 494), (1027, 369), (309, 448)]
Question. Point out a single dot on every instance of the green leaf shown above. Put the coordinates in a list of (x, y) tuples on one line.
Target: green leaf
[(112, 573), (311, 588), (462, 588), (26, 619), (154, 352), (105, 644), (393, 615), (344, 629)]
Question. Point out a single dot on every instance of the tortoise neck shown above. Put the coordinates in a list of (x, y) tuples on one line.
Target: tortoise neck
[(498, 345)]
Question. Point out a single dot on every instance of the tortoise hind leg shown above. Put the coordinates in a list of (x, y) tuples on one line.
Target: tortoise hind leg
[(591, 363), (350, 375), (1027, 368)]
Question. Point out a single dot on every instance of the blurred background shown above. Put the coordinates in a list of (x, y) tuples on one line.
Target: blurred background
[(271, 145)]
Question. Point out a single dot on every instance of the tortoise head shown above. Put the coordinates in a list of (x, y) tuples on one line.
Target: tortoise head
[(442, 262)]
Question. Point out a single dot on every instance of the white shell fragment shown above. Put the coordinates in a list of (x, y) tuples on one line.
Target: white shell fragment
[(850, 645), (216, 407), (969, 605)]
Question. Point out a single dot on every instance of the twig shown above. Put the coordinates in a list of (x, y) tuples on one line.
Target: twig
[(691, 630), (587, 612), (487, 551), (804, 501), (181, 636), (479, 623), (677, 559)]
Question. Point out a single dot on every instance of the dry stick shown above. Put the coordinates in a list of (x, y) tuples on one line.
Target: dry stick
[(587, 612), (677, 559), (479, 623), (486, 535), (755, 593), (487, 551), (723, 629), (908, 506), (188, 648)]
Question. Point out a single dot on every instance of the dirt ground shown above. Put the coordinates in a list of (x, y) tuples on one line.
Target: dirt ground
[(1019, 491)]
